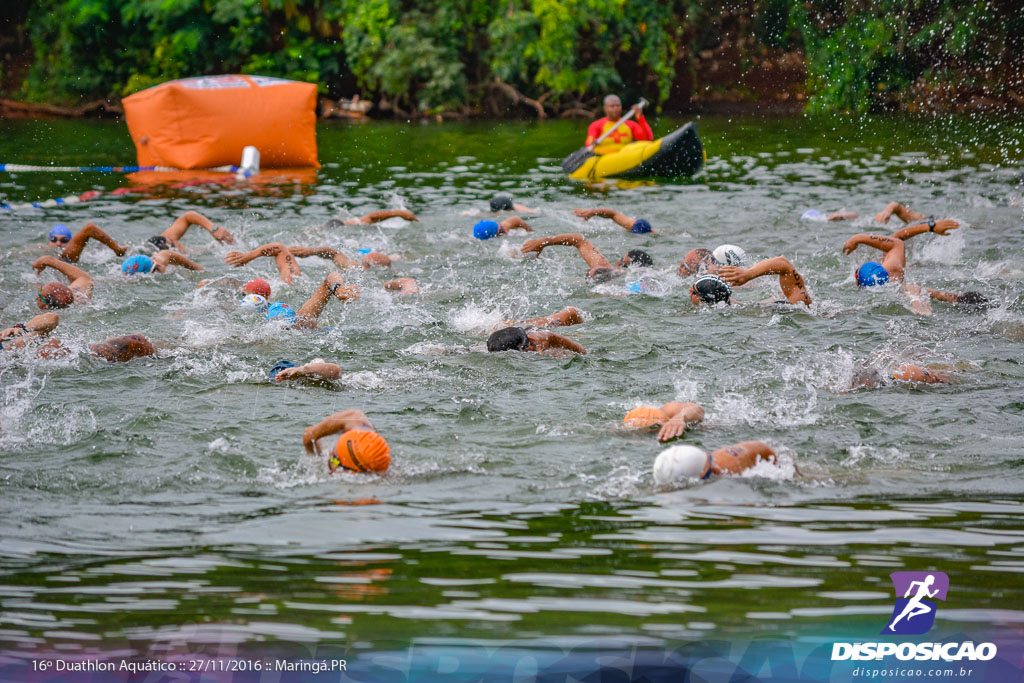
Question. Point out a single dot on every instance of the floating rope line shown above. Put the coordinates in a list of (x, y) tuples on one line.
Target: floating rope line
[(22, 168)]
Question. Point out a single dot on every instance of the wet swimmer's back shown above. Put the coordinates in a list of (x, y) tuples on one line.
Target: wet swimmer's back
[(680, 464), (123, 349), (359, 448)]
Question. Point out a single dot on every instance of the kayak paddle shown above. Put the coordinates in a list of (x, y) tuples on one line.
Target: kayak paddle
[(576, 159)]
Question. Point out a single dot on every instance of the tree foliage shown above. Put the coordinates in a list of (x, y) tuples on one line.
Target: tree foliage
[(438, 55)]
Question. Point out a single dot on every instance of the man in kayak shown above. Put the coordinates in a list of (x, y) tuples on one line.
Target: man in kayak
[(629, 131), (601, 269)]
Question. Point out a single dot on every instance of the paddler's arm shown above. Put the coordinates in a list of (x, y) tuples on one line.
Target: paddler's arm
[(641, 129), (594, 131), (681, 415), (378, 216), (339, 422)]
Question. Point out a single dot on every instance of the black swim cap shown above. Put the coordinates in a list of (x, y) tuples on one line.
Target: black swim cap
[(639, 257), (159, 241), (501, 202), (972, 301), (711, 289), (508, 339)]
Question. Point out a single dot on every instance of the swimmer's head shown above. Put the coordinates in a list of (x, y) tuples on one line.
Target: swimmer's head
[(602, 274), (641, 226), (280, 312), (60, 235), (710, 289), (254, 303), (361, 451), (865, 378), (508, 339), (501, 202), (158, 243), (644, 417), (973, 302), (679, 463), (257, 285), (485, 230), (693, 261), (54, 295), (137, 264), (278, 367), (729, 255), (636, 257), (871, 274)]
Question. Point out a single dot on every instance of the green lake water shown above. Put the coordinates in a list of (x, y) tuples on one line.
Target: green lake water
[(168, 501)]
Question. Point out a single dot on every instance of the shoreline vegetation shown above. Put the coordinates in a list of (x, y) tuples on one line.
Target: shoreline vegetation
[(524, 59)]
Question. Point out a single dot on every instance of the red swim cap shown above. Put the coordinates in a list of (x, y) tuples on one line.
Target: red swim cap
[(56, 295), (257, 286), (361, 451)]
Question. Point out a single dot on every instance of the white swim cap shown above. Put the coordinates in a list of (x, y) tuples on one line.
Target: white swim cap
[(729, 255), (813, 215), (254, 303), (681, 462)]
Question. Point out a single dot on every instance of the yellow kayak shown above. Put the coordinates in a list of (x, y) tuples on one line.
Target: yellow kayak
[(680, 153)]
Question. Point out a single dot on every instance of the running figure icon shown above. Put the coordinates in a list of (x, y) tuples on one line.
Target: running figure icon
[(919, 590), (915, 607)]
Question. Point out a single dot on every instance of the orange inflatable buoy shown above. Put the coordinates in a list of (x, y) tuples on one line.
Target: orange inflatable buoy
[(206, 122)]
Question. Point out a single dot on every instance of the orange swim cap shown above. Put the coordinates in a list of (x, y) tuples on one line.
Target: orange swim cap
[(644, 416), (361, 451)]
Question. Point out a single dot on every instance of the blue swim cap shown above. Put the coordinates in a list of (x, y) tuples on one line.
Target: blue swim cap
[(485, 230), (871, 274), (137, 264), (278, 367), (640, 225), (363, 251), (60, 230), (280, 309)]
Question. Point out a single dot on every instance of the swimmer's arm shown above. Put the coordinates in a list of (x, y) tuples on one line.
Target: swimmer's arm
[(339, 422), (842, 216), (902, 212), (402, 285), (947, 297), (190, 218), (79, 279), (738, 457), (167, 257), (604, 212), (333, 285), (315, 370), (345, 262), (376, 259), (378, 216), (563, 318), (283, 259), (941, 228), (550, 340), (523, 209), (305, 252), (880, 242), (513, 223), (39, 325), (681, 415), (921, 374)]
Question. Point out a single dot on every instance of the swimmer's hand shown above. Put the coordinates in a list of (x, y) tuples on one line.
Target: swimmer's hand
[(236, 259), (851, 245), (41, 263), (585, 214), (734, 275), (944, 226), (535, 245), (672, 429), (309, 439), (885, 214), (406, 214), (223, 236), (290, 373), (340, 289)]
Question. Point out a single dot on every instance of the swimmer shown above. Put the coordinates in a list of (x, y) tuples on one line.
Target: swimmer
[(503, 202), (518, 339), (485, 230), (374, 217), (123, 349), (673, 417), (373, 259), (402, 285), (283, 259), (791, 282), (140, 263), (172, 236), (679, 463), (868, 377), (700, 260), (359, 449), (55, 295), (257, 285), (333, 286), (601, 269), (563, 318), (709, 290), (17, 336), (286, 370), (637, 225), (73, 245), (695, 261)]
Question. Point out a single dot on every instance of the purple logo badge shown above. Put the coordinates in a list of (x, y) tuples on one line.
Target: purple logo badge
[(914, 613)]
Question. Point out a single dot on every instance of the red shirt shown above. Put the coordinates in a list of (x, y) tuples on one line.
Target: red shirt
[(630, 131)]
